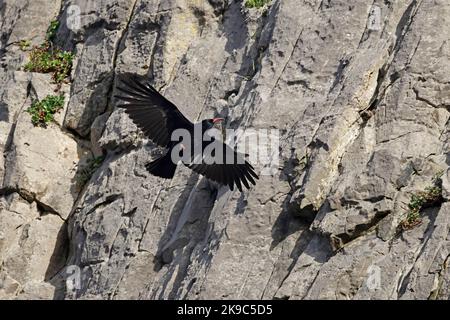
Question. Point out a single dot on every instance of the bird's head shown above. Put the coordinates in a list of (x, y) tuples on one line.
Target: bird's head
[(209, 123)]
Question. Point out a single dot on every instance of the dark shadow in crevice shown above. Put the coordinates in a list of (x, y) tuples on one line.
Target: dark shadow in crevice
[(4, 113), (234, 27), (193, 207), (187, 227), (431, 214), (53, 274), (251, 65)]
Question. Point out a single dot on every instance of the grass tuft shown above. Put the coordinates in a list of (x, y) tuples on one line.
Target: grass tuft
[(256, 3), (42, 112), (51, 31), (427, 198), (47, 58), (24, 45)]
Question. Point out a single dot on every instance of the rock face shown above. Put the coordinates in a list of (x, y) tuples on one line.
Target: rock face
[(359, 93)]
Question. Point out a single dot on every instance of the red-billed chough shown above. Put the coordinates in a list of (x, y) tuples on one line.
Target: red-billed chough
[(158, 118)]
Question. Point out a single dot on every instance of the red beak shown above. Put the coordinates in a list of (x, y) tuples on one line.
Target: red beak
[(215, 120)]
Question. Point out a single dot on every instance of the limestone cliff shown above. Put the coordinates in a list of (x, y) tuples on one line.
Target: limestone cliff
[(360, 91)]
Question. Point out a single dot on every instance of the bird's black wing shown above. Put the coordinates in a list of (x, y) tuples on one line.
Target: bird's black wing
[(239, 172), (156, 116)]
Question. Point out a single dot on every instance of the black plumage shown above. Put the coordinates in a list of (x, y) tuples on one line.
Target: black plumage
[(157, 117)]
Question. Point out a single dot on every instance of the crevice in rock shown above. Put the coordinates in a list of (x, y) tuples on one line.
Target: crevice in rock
[(294, 47), (343, 63), (219, 6), (30, 197), (108, 200), (428, 102), (91, 263), (74, 134), (252, 61), (298, 250), (435, 294), (402, 29), (405, 23), (377, 96), (10, 138), (45, 209), (339, 241), (59, 256), (120, 44), (404, 281), (181, 217), (366, 32), (253, 57), (5, 35)]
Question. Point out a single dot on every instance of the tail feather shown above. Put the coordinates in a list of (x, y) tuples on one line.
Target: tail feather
[(162, 167)]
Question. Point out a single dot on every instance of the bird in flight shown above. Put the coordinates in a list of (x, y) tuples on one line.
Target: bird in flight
[(159, 118)]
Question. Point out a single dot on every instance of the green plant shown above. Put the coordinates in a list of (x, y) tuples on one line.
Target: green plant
[(42, 112), (437, 177), (24, 44), (51, 31), (85, 173), (420, 200), (256, 3), (46, 59)]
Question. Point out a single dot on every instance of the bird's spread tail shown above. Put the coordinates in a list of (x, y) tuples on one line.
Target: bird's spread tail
[(162, 167)]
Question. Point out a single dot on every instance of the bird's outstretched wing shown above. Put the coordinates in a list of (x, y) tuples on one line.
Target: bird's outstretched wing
[(236, 172), (156, 116)]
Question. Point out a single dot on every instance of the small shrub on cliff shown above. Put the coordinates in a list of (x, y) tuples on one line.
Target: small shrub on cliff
[(24, 45), (42, 112), (51, 31), (256, 3), (47, 58), (429, 197)]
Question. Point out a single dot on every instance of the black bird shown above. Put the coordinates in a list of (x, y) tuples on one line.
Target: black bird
[(158, 118)]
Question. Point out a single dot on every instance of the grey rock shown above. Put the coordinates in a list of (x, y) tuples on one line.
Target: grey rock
[(32, 249), (96, 133), (362, 107), (42, 162), (446, 185)]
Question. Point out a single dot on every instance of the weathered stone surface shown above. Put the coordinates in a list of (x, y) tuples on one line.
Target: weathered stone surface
[(362, 105), (32, 249), (33, 20), (33, 236), (42, 162), (13, 98), (89, 94), (94, 30), (96, 133)]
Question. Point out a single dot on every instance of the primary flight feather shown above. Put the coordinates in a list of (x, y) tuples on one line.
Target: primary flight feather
[(158, 118)]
